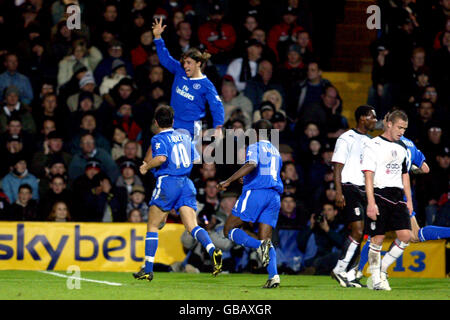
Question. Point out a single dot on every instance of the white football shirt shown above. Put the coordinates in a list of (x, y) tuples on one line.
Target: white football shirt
[(387, 159), (349, 151)]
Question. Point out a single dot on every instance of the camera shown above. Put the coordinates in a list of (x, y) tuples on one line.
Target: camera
[(318, 218)]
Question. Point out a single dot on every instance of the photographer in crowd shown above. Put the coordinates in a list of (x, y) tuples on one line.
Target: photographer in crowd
[(321, 240)]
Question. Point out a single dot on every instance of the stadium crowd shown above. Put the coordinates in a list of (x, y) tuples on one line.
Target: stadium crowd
[(77, 108)]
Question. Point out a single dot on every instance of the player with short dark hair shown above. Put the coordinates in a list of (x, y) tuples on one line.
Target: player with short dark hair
[(170, 159), (387, 182), (259, 201), (349, 182)]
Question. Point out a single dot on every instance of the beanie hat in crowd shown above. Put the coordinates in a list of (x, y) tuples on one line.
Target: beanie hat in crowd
[(88, 78)]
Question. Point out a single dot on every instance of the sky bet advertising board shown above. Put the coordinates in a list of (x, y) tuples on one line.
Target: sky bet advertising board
[(120, 247)]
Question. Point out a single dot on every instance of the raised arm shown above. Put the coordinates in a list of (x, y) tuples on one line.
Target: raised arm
[(164, 56)]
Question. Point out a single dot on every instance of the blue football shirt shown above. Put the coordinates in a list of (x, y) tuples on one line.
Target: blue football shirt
[(179, 150), (414, 155), (267, 173)]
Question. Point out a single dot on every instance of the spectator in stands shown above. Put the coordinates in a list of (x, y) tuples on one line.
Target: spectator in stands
[(119, 141), (286, 135), (322, 240), (88, 57), (183, 40), (211, 196), (267, 53), (5, 207), (199, 259), (60, 212), (54, 166), (207, 171), (13, 107), (13, 149), (18, 176), (124, 118), (86, 85), (293, 68), (244, 68), (325, 112), (218, 37), (436, 140), (308, 91), (247, 26), (409, 85), (417, 126), (14, 131), (88, 125), (24, 208), (105, 202), (104, 68), (89, 151), (58, 192), (139, 55), (53, 147), (132, 152), (73, 85), (134, 216), (49, 109), (128, 177), (380, 93), (109, 20), (261, 83), (118, 71), (273, 96), (62, 40), (439, 66), (233, 100), (11, 77), (80, 185), (227, 202), (136, 201), (303, 40), (281, 35), (437, 183)]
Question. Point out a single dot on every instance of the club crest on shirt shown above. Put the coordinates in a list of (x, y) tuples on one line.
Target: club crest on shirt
[(394, 154), (157, 146), (197, 86)]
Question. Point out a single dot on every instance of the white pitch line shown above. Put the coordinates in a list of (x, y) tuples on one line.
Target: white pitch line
[(82, 279)]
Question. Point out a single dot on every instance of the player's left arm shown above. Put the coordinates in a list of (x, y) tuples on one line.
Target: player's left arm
[(216, 106)]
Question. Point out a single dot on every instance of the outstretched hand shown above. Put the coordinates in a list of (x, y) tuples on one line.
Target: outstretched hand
[(223, 185), (158, 28)]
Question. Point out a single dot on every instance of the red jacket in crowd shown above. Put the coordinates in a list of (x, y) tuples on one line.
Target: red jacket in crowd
[(281, 32), (215, 43)]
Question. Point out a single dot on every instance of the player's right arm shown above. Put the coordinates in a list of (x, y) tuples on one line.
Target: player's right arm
[(243, 171), (340, 200), (251, 162), (156, 155), (167, 61), (340, 156), (369, 166)]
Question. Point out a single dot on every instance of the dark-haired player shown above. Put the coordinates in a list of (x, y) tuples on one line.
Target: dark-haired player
[(170, 159), (259, 201), (349, 181)]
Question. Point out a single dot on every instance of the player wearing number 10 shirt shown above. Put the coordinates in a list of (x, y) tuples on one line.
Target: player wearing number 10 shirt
[(259, 201), (170, 160)]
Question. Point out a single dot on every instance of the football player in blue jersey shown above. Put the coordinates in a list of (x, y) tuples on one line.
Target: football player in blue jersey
[(191, 89), (259, 201), (416, 164), (170, 160)]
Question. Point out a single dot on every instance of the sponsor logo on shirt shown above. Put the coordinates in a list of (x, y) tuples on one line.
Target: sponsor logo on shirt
[(184, 93)]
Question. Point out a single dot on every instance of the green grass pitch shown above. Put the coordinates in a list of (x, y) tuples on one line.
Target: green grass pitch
[(30, 285)]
